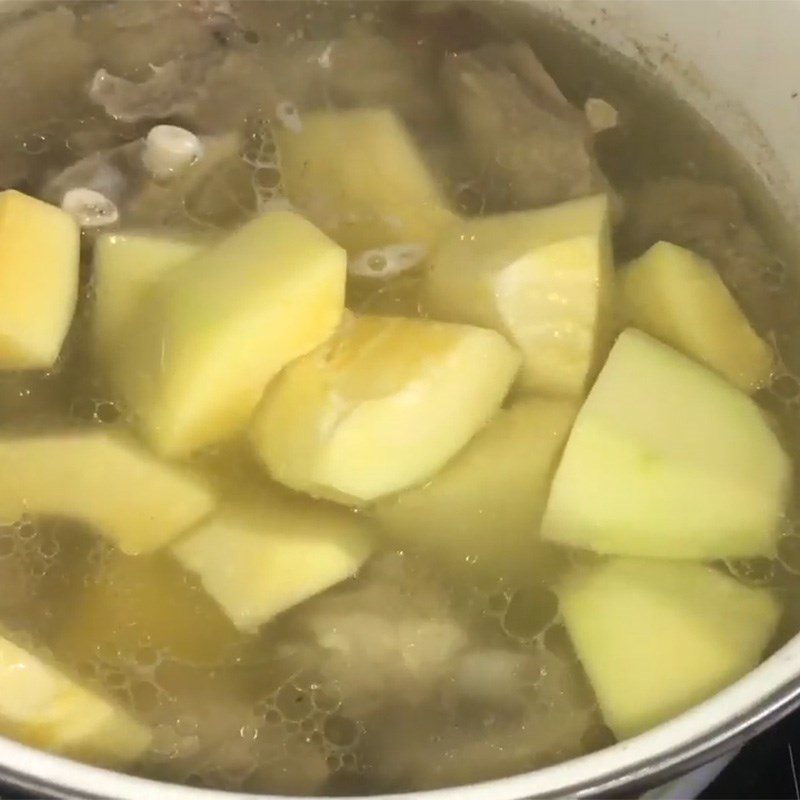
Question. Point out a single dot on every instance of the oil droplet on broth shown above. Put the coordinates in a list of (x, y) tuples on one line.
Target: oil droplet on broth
[(530, 612), (340, 731)]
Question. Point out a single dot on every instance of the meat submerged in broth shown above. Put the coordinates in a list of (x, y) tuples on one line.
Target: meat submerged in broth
[(532, 143), (327, 464)]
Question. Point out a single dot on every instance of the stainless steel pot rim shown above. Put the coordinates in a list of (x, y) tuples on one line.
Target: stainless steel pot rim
[(722, 723)]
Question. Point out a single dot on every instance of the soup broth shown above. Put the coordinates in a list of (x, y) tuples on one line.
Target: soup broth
[(433, 661)]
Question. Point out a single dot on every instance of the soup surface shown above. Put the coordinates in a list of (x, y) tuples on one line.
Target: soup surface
[(258, 541)]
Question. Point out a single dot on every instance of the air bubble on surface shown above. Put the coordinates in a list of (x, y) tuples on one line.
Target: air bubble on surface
[(108, 651), (267, 178), (48, 548), (293, 702), (389, 261), (530, 612), (252, 151), (145, 697), (106, 412), (325, 698), (36, 144), (316, 738), (165, 741), (785, 386), (470, 200), (260, 152), (96, 410), (308, 725), (248, 732), (340, 731), (273, 717), (334, 762), (116, 679), (26, 529), (261, 708), (773, 275)]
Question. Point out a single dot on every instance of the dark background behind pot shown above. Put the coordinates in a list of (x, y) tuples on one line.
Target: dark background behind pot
[(768, 767)]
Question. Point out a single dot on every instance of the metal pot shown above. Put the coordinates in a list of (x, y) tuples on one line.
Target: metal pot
[(737, 63)]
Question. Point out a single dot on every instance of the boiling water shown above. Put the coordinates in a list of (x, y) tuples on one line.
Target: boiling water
[(491, 686)]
